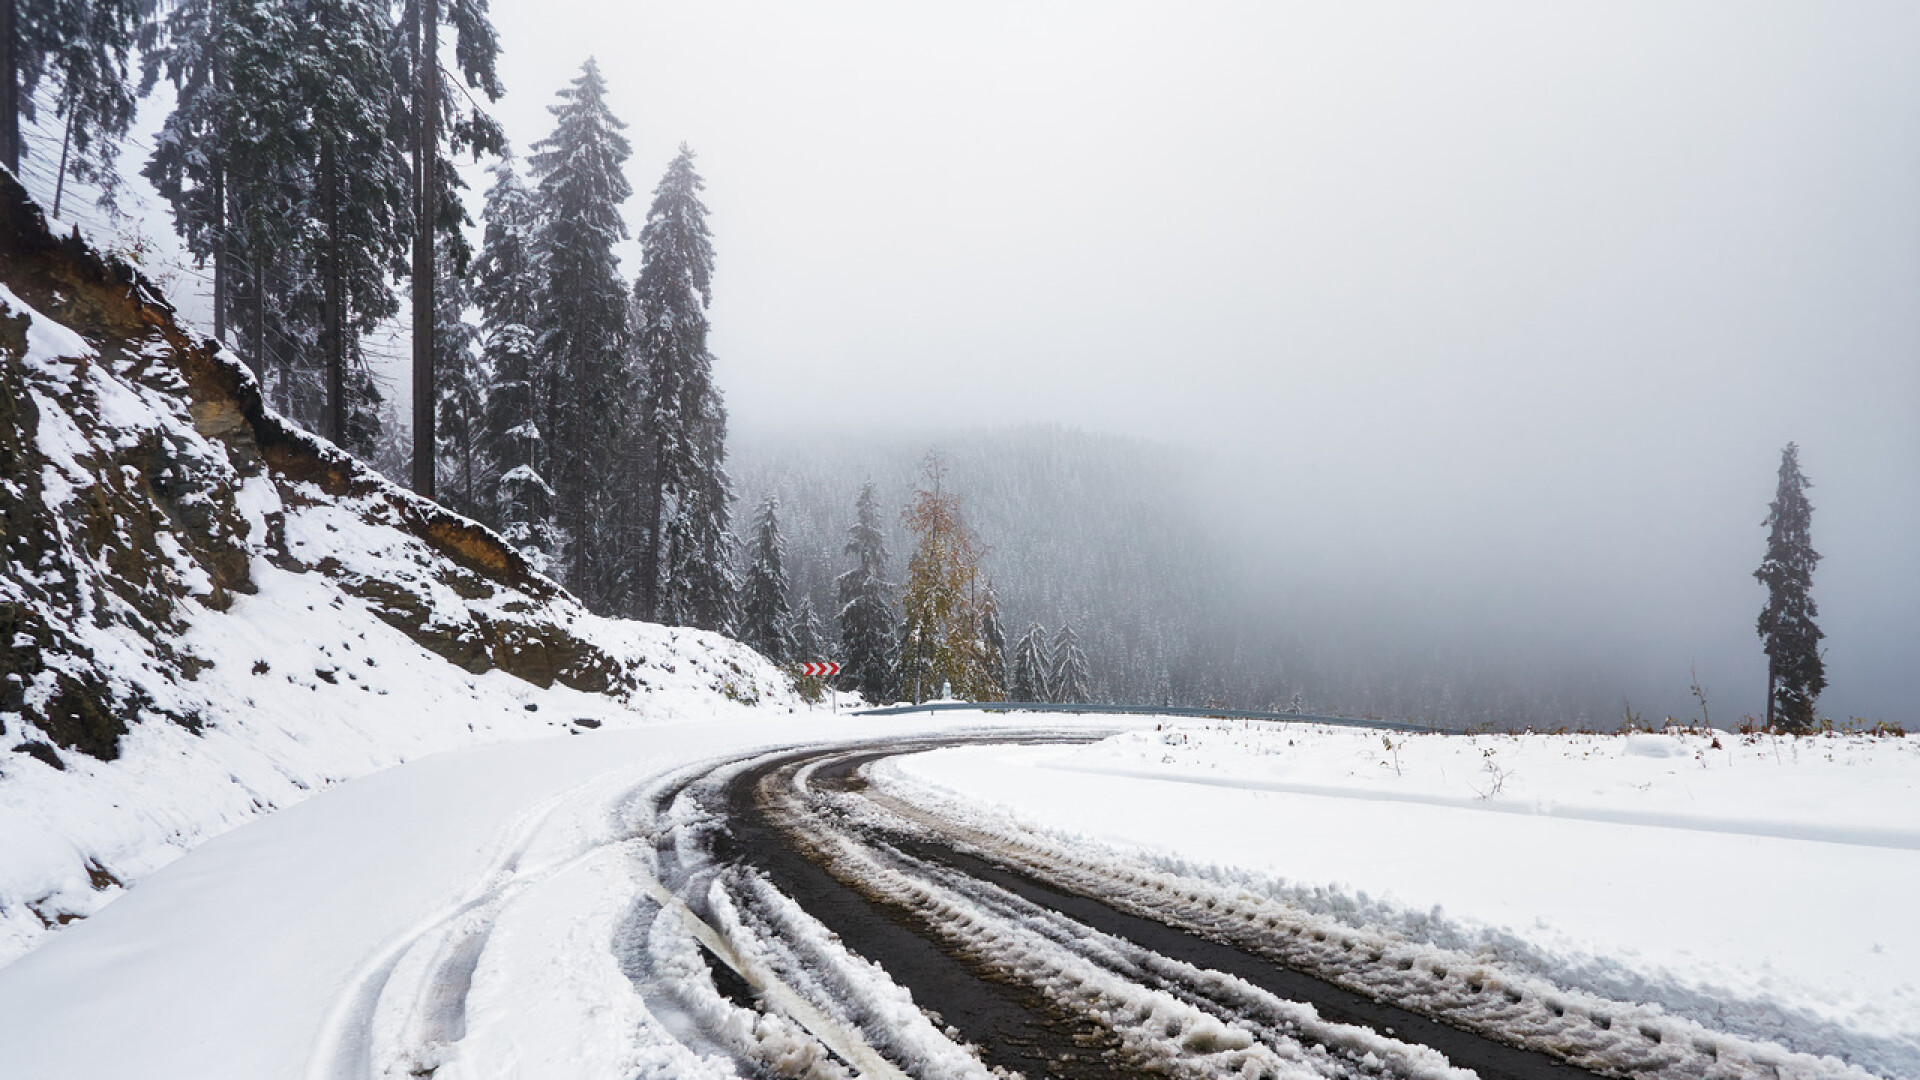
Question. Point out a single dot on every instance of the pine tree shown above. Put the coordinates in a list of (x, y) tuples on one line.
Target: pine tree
[(581, 330), (202, 47), (868, 630), (809, 640), (684, 573), (363, 208), (82, 47), (276, 161), (766, 618), (701, 588), (508, 276), (429, 121), (462, 387), (1796, 673), (993, 639), (1031, 666), (1070, 681), (249, 137), (941, 647)]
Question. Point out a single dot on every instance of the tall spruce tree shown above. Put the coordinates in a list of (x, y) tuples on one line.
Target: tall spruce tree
[(809, 640), (461, 383), (701, 588), (869, 633), (203, 47), (1031, 668), (432, 121), (1796, 673), (941, 649), (582, 326), (993, 638), (82, 48), (363, 208), (685, 575), (509, 276), (766, 619), (1070, 682), (277, 164)]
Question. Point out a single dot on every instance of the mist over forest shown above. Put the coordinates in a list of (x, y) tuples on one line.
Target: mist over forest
[(1187, 589)]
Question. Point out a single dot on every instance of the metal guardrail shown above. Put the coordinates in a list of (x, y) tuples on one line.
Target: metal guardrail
[(1142, 710)]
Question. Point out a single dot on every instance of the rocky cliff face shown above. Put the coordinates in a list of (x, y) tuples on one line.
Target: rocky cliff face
[(139, 477)]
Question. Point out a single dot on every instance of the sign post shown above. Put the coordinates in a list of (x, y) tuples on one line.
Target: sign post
[(826, 670)]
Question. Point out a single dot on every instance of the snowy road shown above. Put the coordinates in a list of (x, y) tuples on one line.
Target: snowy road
[(1049, 960), (752, 899), (1027, 966)]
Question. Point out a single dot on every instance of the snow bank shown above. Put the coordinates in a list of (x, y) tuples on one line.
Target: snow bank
[(1760, 886)]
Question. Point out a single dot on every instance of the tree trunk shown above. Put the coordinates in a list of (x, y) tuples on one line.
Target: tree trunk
[(10, 87), (650, 535), (220, 268), (260, 320), (60, 177), (426, 89), (335, 330)]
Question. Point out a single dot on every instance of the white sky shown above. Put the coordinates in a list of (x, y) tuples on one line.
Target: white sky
[(1518, 298)]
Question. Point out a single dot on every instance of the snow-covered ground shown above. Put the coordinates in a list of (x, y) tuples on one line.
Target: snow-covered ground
[(1760, 885), (274, 949)]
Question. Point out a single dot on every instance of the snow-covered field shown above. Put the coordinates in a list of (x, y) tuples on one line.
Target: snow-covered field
[(1764, 886)]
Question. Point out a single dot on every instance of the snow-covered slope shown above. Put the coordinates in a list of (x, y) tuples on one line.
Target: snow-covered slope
[(206, 613)]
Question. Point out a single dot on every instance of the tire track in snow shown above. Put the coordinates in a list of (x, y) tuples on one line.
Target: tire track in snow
[(1032, 1005), (345, 1049)]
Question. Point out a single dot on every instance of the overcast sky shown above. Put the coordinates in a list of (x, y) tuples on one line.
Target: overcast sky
[(1497, 312), (1510, 305)]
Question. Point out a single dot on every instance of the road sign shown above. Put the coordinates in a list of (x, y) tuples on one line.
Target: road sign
[(814, 670)]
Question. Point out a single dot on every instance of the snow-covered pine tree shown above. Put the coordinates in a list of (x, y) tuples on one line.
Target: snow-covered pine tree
[(508, 276), (1070, 682), (203, 48), (687, 497), (1031, 668), (869, 633), (362, 208), (81, 47), (275, 162), (1796, 673), (993, 638), (701, 587), (940, 646), (462, 385), (234, 160), (582, 333), (809, 639), (766, 619), (432, 121)]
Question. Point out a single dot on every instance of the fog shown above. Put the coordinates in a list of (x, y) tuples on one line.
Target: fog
[(1491, 318), (1476, 328)]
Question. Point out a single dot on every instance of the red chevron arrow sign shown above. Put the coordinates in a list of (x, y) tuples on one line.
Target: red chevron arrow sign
[(814, 670)]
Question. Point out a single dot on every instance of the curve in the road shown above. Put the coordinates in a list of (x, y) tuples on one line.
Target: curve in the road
[(1013, 1025)]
